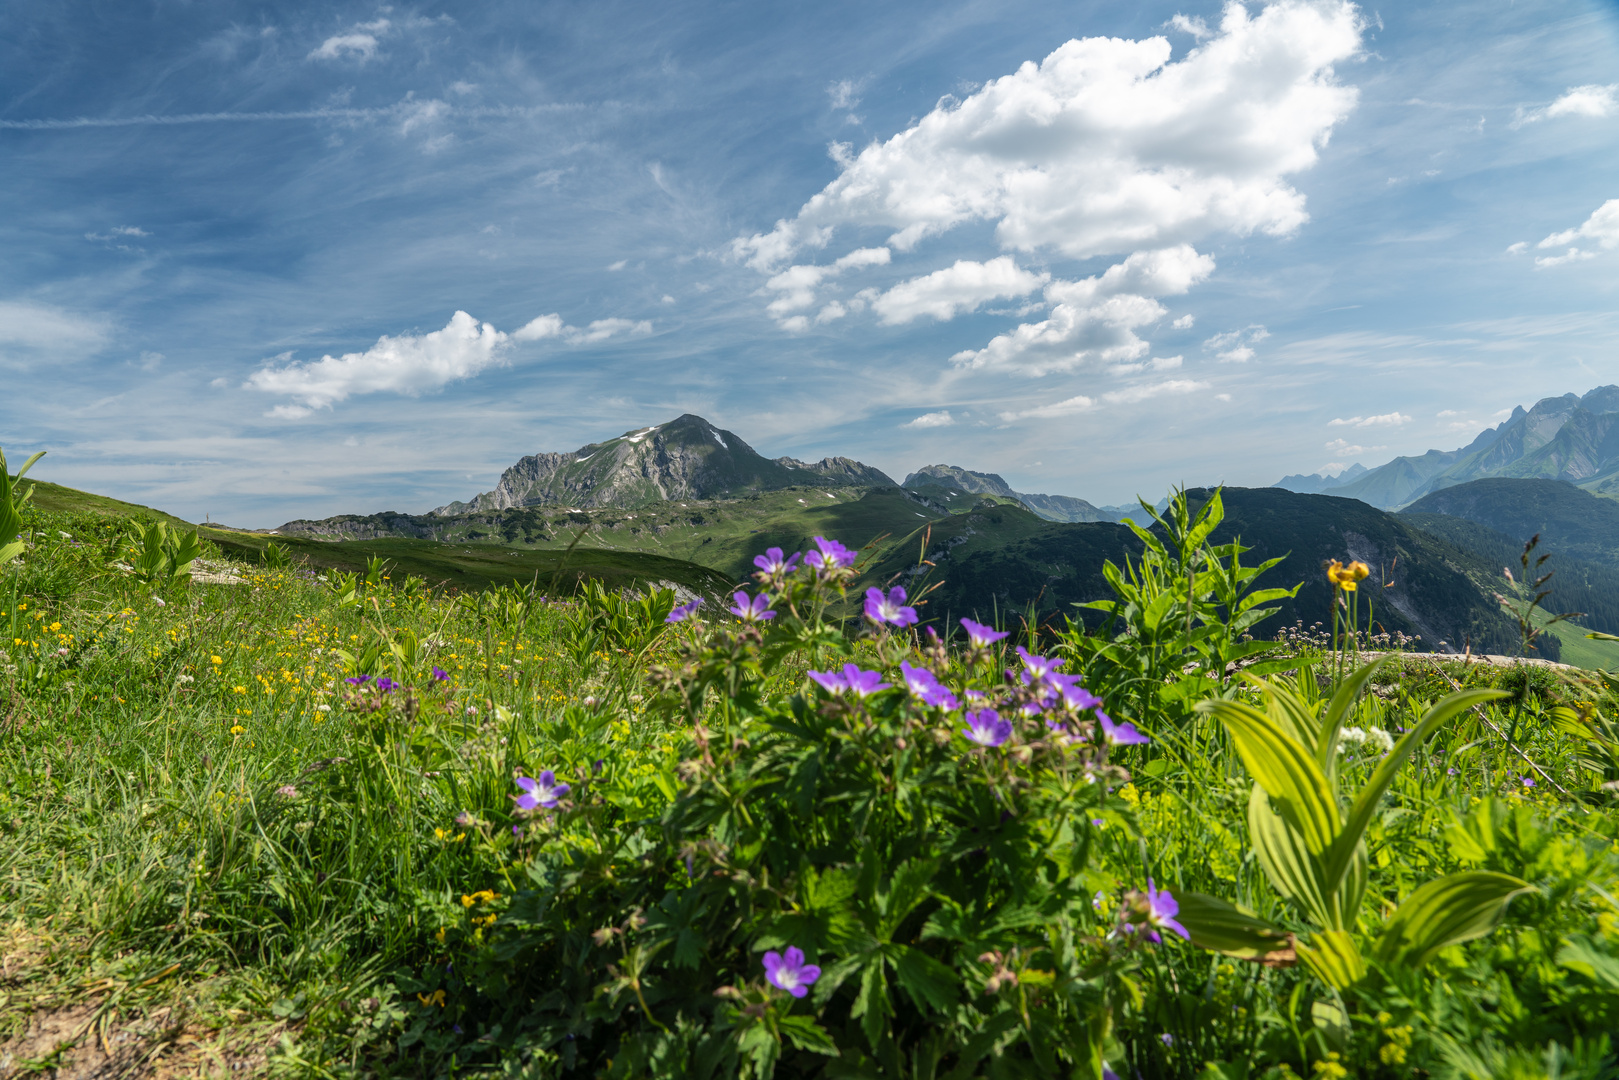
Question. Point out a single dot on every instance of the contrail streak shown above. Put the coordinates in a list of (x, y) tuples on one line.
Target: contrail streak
[(152, 119)]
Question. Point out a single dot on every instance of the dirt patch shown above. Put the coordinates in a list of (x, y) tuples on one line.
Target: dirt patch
[(88, 1042)]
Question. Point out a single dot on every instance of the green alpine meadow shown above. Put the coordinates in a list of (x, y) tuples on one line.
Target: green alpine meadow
[(264, 814)]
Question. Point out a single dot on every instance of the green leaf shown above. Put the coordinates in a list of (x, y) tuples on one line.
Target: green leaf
[(1333, 957), (1285, 859), (1360, 814), (925, 979), (1582, 956), (1224, 927), (1446, 911), (804, 1033), (11, 551), (973, 1051), (1285, 769), (907, 888), (871, 1006), (1600, 636)]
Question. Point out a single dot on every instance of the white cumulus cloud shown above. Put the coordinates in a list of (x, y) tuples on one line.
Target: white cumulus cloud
[(1592, 101), (413, 364), (1393, 419), (1107, 146), (1602, 227), (796, 286), (942, 418), (960, 288), (407, 364), (1095, 319)]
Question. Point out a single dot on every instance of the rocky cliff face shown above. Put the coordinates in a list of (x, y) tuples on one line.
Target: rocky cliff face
[(686, 458)]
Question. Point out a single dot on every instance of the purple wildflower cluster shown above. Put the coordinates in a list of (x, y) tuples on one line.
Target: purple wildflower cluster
[(383, 684), (851, 680)]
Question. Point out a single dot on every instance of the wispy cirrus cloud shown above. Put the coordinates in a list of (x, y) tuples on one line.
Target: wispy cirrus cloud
[(1393, 419), (1129, 395)]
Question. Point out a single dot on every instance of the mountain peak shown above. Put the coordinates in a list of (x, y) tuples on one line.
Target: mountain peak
[(684, 458)]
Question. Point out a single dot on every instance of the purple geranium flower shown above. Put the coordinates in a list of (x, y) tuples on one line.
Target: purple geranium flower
[(926, 688), (684, 611), (357, 680), (981, 636), (1120, 734), (1161, 911), (789, 972), (755, 610), (831, 556), (1527, 782), (542, 792), (773, 564), (440, 675), (1037, 667), (1073, 695), (986, 728), (851, 679), (890, 608)]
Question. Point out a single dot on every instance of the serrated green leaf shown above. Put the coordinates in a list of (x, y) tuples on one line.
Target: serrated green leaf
[(1581, 955), (804, 1033), (1446, 911), (871, 1006), (924, 978)]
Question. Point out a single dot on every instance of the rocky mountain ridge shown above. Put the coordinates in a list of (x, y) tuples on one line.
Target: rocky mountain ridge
[(1050, 507), (1572, 438), (686, 458)]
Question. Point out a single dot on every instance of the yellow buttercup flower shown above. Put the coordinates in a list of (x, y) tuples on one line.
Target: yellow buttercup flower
[(1360, 570)]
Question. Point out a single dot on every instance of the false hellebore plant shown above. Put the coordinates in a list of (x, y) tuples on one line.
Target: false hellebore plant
[(1314, 853)]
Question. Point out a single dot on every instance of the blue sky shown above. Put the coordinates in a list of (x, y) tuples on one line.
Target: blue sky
[(1096, 248)]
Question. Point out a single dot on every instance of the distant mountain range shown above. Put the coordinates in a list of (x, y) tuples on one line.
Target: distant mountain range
[(1050, 507), (1570, 438), (686, 458)]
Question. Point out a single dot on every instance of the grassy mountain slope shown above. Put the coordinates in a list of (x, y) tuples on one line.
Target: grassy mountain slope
[(1576, 584), (1570, 521), (724, 534), (460, 565), (1435, 589)]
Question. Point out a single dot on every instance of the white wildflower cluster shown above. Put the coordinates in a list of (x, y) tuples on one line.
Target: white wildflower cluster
[(1374, 737)]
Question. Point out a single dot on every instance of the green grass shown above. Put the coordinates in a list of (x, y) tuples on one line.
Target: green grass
[(216, 852)]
